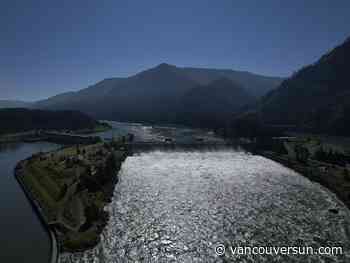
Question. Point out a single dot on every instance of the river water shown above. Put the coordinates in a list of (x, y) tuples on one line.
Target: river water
[(178, 205), (22, 237), (149, 133)]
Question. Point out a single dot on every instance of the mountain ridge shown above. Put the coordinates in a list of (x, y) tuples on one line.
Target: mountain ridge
[(316, 98), (152, 95)]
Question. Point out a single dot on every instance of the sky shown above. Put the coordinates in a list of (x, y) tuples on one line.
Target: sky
[(49, 47)]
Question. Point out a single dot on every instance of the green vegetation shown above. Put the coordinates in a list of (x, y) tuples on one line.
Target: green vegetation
[(100, 127), (83, 240), (331, 156), (317, 160), (346, 174), (302, 153), (18, 120), (72, 186), (316, 98)]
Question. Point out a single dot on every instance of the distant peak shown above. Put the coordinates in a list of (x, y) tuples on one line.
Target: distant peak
[(165, 65)]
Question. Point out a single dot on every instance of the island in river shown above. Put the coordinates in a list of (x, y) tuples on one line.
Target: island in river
[(70, 188)]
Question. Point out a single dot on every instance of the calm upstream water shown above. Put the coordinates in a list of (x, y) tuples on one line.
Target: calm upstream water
[(149, 133), (22, 237), (178, 205)]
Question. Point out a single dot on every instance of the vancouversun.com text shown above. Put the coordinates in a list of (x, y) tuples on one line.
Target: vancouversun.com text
[(221, 250)]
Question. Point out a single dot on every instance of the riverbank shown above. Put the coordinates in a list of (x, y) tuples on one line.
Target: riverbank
[(38, 210), (69, 189), (65, 137), (333, 177), (101, 127), (46, 136)]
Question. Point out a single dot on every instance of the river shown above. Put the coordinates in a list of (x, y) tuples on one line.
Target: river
[(22, 238), (178, 205)]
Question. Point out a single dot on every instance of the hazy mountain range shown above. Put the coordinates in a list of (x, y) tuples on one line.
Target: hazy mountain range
[(316, 98), (166, 93)]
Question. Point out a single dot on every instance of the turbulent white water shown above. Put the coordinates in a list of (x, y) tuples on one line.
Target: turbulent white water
[(177, 206)]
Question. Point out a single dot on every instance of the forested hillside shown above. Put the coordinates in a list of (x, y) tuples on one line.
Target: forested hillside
[(20, 120)]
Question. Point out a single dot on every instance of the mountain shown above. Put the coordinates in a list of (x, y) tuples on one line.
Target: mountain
[(87, 100), (316, 98), (212, 104), (14, 104), (153, 95), (20, 120), (256, 85)]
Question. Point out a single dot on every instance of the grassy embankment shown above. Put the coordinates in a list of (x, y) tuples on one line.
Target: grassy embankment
[(325, 162), (72, 186)]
